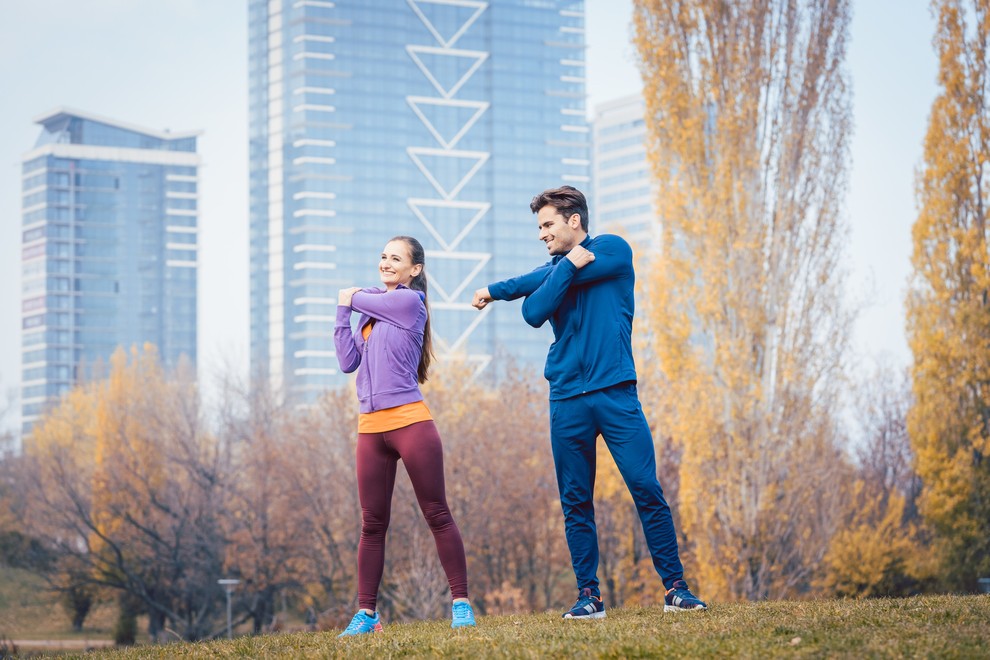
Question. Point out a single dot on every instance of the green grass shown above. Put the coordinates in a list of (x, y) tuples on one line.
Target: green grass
[(931, 626)]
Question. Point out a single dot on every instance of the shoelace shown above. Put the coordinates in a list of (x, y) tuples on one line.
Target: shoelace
[(462, 611), (356, 622), (584, 600)]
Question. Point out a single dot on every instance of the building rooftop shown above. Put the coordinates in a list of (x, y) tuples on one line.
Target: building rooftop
[(57, 117)]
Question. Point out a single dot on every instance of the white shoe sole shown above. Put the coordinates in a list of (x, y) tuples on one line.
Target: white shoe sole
[(674, 608), (596, 615)]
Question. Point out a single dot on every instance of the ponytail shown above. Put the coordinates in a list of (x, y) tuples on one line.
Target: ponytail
[(418, 283)]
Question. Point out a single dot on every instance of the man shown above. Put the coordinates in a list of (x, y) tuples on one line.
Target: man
[(586, 292)]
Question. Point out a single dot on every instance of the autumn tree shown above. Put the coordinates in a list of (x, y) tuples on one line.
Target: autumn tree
[(139, 498), (263, 543), (128, 487), (879, 549), (326, 498), (948, 318), (748, 118)]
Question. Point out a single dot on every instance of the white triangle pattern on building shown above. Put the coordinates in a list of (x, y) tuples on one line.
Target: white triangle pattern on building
[(448, 143), (454, 296), (479, 7), (447, 91), (479, 158), (450, 296), (449, 244)]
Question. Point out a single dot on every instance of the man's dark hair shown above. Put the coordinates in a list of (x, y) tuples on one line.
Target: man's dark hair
[(568, 200)]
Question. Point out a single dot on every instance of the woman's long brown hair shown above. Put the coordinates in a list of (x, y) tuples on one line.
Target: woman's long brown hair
[(418, 283)]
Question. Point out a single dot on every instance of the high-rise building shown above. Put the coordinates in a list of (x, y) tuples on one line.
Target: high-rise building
[(625, 199), (109, 258), (438, 119)]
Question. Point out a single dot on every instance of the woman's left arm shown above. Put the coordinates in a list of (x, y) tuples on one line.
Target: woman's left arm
[(348, 355)]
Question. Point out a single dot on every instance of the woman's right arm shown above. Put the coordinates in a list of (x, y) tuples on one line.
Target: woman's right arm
[(401, 307), (348, 356)]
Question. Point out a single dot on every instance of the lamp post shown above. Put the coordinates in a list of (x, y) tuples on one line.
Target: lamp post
[(228, 584)]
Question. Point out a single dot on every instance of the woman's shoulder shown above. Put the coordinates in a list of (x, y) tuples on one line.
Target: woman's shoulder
[(403, 290)]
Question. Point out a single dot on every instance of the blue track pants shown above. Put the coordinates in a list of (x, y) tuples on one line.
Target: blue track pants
[(575, 424)]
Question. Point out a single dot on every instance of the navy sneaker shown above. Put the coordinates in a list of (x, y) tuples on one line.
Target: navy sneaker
[(362, 624), (586, 607), (680, 599), (461, 615)]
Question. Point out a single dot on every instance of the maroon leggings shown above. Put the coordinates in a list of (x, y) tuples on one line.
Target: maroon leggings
[(419, 447)]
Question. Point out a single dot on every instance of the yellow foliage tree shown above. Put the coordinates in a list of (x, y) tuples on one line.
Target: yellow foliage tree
[(869, 555), (948, 317), (880, 548), (748, 119), (125, 454), (127, 484), (60, 467)]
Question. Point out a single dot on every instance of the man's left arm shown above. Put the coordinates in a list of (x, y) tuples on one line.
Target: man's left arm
[(542, 303), (613, 258)]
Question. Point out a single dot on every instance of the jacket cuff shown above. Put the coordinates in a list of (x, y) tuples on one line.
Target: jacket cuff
[(343, 315)]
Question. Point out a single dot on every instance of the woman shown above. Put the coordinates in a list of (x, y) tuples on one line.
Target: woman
[(391, 350)]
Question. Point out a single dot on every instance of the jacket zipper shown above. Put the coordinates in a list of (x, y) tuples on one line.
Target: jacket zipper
[(371, 382), (579, 309)]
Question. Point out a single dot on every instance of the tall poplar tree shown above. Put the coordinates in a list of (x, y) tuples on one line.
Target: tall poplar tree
[(948, 316), (748, 116)]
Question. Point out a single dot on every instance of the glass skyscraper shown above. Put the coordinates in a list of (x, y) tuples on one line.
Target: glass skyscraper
[(438, 119), (625, 195), (109, 256)]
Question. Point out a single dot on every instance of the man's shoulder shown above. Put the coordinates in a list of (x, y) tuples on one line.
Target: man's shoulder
[(610, 239), (614, 246)]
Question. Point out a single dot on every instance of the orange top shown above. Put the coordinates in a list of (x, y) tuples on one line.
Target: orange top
[(390, 419)]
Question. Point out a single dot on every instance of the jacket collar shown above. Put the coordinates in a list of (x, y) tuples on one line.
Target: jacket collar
[(557, 257)]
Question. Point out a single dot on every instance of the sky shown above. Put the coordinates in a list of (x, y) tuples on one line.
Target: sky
[(182, 65)]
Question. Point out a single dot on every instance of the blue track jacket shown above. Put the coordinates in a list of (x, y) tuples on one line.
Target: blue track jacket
[(591, 311)]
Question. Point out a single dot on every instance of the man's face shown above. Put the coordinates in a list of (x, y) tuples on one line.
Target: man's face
[(559, 233)]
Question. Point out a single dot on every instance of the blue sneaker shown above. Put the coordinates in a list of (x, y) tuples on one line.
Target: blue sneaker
[(680, 599), (461, 615), (362, 624), (586, 607)]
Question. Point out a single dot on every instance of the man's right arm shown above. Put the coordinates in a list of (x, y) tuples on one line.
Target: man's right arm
[(512, 288)]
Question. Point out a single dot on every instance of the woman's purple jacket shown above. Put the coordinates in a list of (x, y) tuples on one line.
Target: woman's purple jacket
[(389, 360)]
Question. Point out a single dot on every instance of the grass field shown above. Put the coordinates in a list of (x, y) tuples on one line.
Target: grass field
[(29, 611), (930, 626)]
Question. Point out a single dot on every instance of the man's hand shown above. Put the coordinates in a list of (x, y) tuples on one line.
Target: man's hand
[(481, 298), (580, 256), (344, 295)]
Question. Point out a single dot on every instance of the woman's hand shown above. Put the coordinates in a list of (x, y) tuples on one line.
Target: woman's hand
[(344, 295)]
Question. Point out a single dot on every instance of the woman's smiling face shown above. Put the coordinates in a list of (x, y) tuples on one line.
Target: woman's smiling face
[(396, 266)]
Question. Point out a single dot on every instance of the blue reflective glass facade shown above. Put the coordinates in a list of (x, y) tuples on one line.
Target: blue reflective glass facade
[(109, 250), (438, 119)]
